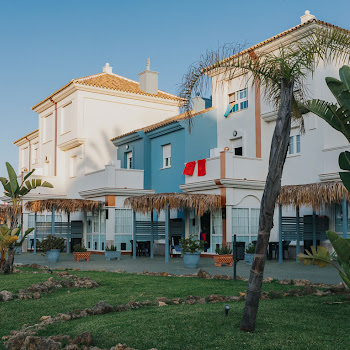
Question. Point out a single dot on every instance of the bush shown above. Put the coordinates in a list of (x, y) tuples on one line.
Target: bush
[(78, 248), (51, 242), (250, 248), (191, 244), (112, 248), (223, 250)]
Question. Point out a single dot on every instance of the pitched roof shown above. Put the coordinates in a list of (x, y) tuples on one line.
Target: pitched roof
[(280, 35), (111, 81), (164, 122), (31, 134)]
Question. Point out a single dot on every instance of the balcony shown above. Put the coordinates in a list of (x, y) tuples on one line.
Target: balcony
[(239, 171), (112, 180)]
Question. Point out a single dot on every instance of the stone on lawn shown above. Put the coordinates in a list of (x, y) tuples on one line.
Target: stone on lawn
[(72, 347), (36, 295), (6, 295), (44, 318), (15, 342), (83, 338), (40, 343), (102, 308), (203, 274)]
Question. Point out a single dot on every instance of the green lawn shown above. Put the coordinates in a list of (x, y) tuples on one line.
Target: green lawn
[(288, 323)]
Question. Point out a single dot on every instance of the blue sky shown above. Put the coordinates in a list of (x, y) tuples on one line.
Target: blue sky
[(45, 44)]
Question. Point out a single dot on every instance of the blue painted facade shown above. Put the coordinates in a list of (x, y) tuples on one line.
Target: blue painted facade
[(147, 148)]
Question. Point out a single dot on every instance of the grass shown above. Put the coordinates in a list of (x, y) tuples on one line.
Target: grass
[(288, 323)]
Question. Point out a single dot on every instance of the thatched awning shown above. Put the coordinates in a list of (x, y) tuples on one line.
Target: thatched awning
[(63, 205), (315, 195), (199, 203)]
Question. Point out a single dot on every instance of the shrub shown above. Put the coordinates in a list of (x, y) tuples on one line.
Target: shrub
[(191, 244), (78, 248), (112, 248), (250, 248), (51, 242), (223, 250)]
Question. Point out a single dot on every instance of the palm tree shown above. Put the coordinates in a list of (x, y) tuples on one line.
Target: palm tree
[(281, 74)]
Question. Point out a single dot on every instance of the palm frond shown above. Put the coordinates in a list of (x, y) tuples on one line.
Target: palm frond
[(290, 63)]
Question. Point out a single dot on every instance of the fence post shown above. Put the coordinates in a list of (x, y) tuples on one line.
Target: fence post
[(298, 234)]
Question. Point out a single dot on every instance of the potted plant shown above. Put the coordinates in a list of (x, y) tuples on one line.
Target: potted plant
[(112, 253), (52, 247), (224, 255), (81, 253), (191, 251), (249, 253)]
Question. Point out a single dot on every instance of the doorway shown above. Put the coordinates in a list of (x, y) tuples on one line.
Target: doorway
[(205, 230)]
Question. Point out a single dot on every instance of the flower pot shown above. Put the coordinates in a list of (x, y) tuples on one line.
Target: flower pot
[(191, 260), (81, 256), (112, 254), (53, 255), (248, 258), (223, 259)]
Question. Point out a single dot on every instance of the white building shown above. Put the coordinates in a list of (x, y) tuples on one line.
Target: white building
[(72, 148), (237, 169)]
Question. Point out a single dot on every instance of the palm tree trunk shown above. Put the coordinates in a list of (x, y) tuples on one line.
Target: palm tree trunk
[(278, 153), (7, 267)]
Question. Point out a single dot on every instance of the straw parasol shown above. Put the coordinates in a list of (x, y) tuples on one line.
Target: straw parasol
[(315, 195), (199, 203), (63, 205)]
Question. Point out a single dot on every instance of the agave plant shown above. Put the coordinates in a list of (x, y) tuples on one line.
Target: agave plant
[(9, 235), (337, 115), (322, 257)]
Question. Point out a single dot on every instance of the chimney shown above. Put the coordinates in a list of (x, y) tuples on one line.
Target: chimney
[(200, 103), (149, 80), (107, 69), (306, 17)]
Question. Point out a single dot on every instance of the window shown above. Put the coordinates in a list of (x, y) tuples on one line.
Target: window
[(194, 224), (129, 160), (66, 119), (96, 230), (339, 218), (123, 221), (237, 101), (73, 166), (25, 158), (245, 224), (47, 128), (35, 153), (123, 229), (237, 146), (294, 144), (167, 156)]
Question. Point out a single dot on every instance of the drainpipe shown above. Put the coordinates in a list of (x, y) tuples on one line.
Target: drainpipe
[(55, 162)]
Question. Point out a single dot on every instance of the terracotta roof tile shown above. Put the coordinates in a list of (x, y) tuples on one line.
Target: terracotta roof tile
[(174, 119), (26, 136), (280, 35), (112, 81)]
